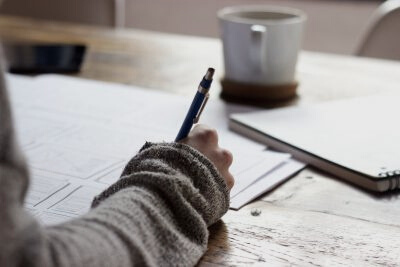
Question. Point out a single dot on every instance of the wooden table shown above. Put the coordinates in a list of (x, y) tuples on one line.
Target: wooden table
[(313, 219)]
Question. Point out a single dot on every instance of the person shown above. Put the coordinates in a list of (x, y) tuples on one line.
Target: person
[(156, 214)]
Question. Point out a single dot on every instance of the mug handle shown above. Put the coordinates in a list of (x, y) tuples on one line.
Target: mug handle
[(257, 51)]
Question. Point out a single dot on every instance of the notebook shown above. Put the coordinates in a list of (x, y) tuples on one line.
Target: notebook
[(355, 139)]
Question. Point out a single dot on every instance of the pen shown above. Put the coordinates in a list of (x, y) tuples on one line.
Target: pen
[(197, 106)]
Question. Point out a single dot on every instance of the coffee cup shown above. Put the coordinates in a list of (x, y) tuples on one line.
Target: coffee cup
[(261, 44)]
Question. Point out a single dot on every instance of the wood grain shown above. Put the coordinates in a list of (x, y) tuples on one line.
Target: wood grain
[(293, 236), (313, 219)]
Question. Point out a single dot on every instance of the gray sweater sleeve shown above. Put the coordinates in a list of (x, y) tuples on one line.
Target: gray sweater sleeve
[(157, 214)]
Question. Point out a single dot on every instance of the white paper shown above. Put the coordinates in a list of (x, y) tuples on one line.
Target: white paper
[(78, 135), (112, 176), (50, 218), (77, 203), (41, 188), (253, 166), (268, 182)]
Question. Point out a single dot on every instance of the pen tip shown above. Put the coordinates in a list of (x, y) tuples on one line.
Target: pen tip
[(210, 73)]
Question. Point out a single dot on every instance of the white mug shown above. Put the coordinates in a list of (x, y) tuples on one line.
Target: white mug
[(261, 43)]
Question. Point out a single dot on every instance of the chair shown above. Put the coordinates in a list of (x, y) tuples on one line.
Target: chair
[(99, 12), (382, 39)]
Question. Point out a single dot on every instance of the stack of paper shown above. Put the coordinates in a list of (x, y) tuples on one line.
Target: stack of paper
[(79, 134)]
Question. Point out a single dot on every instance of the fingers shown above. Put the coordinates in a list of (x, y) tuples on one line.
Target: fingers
[(206, 135), (223, 157), (223, 160), (205, 139), (230, 181)]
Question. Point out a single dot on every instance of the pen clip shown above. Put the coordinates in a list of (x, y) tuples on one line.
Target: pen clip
[(197, 118)]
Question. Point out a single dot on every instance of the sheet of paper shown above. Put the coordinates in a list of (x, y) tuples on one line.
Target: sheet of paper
[(266, 183), (112, 176), (42, 188), (79, 134), (77, 203), (71, 161), (50, 218), (253, 166)]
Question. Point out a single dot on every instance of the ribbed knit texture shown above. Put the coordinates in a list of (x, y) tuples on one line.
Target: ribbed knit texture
[(157, 214)]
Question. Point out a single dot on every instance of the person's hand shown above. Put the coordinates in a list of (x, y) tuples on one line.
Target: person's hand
[(205, 140)]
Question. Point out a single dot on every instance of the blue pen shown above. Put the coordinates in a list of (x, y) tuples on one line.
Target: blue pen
[(197, 106)]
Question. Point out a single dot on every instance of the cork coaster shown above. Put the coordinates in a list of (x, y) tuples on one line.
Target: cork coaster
[(242, 92)]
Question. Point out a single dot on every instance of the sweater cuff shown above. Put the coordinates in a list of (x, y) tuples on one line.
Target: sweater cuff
[(173, 160)]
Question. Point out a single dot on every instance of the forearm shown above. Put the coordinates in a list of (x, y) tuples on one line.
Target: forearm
[(179, 193), (156, 214), (134, 227), (184, 177)]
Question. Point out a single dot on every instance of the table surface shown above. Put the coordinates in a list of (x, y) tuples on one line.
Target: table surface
[(311, 220)]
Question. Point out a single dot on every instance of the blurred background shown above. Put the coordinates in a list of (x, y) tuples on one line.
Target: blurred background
[(334, 26)]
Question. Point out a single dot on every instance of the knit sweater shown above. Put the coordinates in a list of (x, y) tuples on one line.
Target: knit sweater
[(156, 214)]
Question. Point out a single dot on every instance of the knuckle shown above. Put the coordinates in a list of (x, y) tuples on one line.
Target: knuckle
[(227, 156), (230, 182), (209, 134)]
